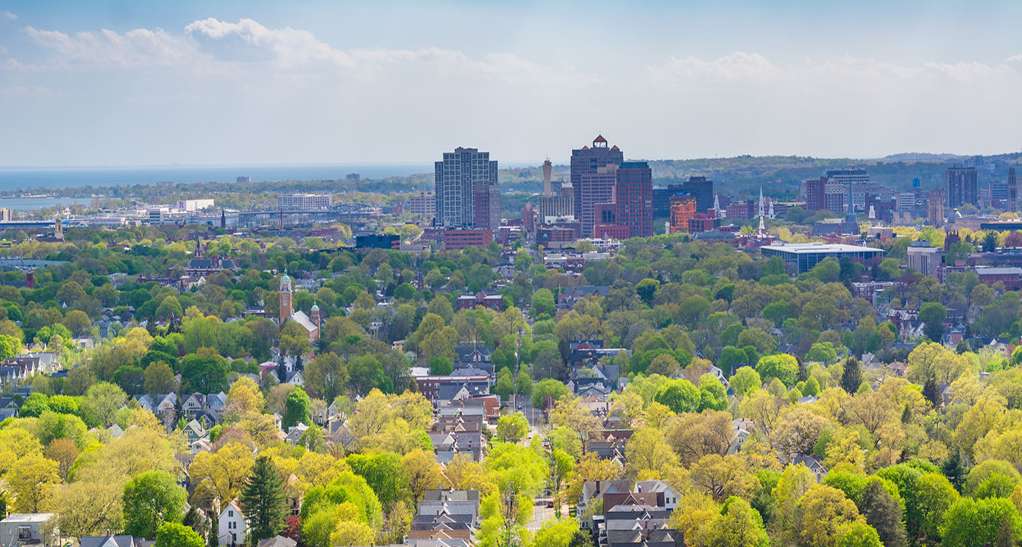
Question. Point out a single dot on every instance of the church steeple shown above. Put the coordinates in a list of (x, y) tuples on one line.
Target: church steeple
[(285, 298)]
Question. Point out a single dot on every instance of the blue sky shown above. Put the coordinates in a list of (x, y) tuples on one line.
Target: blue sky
[(157, 83)]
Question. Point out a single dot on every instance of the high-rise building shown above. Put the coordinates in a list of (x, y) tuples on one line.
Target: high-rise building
[(935, 208), (458, 178), (548, 169), (487, 205), (6, 214), (961, 188), (423, 204), (683, 209), (587, 161), (1012, 190), (859, 181), (634, 197), (816, 194), (592, 189), (700, 188), (558, 207), (303, 202)]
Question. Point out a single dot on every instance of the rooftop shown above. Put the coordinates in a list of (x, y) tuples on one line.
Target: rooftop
[(801, 248), (29, 517)]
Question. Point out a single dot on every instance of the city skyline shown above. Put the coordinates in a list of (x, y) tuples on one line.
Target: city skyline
[(239, 83)]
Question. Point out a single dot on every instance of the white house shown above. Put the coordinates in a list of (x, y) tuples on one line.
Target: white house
[(671, 497), (232, 526)]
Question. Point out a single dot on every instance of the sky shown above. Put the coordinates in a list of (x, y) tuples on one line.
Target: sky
[(120, 83)]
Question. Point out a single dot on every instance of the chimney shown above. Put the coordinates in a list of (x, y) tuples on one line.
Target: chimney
[(597, 487)]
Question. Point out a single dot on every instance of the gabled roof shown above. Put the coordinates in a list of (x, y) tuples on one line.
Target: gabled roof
[(304, 321), (108, 541)]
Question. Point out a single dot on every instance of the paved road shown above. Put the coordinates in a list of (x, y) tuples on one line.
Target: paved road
[(531, 414), (540, 514)]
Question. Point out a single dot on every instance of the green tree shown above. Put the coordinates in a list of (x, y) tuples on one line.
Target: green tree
[(737, 525), (781, 366), (101, 402), (383, 473), (679, 396), (327, 375), (745, 381), (177, 535), (204, 372), (548, 388), (440, 366), (512, 428), (933, 315), (556, 533), (859, 534), (646, 289), (972, 522), (851, 376), (263, 500), (296, 409), (34, 406), (883, 513), (150, 500), (542, 302)]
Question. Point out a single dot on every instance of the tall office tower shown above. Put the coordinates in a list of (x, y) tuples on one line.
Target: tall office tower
[(586, 161), (458, 179), (700, 188), (816, 194), (858, 178), (850, 215), (634, 197), (487, 205), (548, 169), (591, 190), (1012, 190), (557, 207), (683, 208), (935, 208), (961, 188)]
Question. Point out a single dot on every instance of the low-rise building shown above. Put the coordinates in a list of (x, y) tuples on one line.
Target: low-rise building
[(28, 529)]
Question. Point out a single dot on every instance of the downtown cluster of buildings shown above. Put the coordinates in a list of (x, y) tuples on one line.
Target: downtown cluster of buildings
[(606, 197)]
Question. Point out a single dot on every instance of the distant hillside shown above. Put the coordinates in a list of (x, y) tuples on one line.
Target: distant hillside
[(781, 176)]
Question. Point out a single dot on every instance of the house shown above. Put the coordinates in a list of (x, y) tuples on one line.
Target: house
[(494, 302), (26, 529), (279, 541), (194, 405), (473, 354), (9, 377), (671, 496), (569, 297), (593, 491), (108, 541), (295, 378), (194, 431), (294, 434), (232, 526), (448, 445), (443, 525), (446, 388), (812, 463)]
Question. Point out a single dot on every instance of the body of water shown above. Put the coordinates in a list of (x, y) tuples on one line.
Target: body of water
[(32, 204), (13, 179)]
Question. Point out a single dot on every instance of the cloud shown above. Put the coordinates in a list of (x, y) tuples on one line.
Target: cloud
[(135, 49), (25, 92), (9, 16), (311, 101), (737, 66)]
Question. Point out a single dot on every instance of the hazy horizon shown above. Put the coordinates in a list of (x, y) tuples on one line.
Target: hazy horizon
[(194, 84)]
